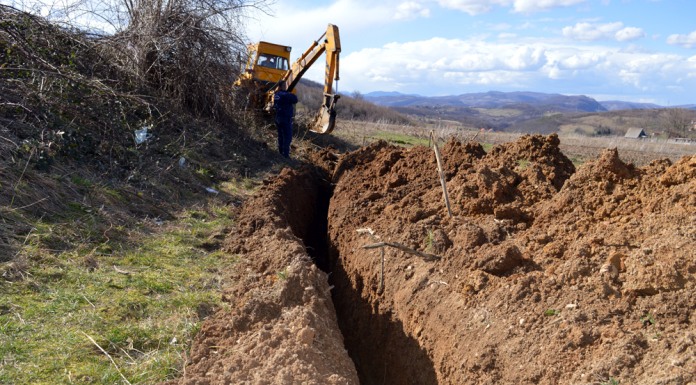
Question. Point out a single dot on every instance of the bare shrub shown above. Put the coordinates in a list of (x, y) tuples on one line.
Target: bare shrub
[(678, 121), (47, 74), (187, 51)]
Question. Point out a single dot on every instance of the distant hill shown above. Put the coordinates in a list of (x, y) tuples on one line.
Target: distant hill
[(497, 99), (614, 105), (310, 94), (491, 99), (533, 112)]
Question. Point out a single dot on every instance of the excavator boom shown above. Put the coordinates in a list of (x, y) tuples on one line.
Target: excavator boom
[(329, 43), (267, 67)]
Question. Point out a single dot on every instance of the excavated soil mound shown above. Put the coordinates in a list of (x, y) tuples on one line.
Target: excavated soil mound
[(543, 275), (280, 327), (546, 275)]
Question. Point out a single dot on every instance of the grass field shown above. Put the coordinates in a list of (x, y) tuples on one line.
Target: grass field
[(577, 147), (110, 309)]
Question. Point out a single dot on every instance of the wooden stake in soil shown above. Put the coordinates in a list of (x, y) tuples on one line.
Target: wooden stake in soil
[(441, 173), (425, 256), (368, 230), (382, 245), (380, 289)]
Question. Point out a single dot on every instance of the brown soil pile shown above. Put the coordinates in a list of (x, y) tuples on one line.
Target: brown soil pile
[(547, 276), (544, 275), (281, 326)]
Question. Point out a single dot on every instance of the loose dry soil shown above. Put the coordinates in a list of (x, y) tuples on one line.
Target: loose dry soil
[(543, 275)]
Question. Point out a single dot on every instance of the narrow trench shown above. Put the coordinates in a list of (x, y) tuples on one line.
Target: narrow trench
[(378, 345), (316, 240)]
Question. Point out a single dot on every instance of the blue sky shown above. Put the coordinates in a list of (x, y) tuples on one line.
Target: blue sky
[(633, 50)]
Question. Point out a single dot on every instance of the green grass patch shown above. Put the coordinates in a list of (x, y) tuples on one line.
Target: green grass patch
[(80, 181), (551, 312), (522, 164), (499, 112), (577, 161), (141, 302), (400, 139), (487, 147), (242, 186)]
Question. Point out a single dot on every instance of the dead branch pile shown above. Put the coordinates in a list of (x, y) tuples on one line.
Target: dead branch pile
[(83, 95), (72, 102), (187, 50), (59, 94)]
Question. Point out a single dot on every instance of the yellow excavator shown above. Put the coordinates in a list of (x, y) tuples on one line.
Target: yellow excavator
[(267, 67)]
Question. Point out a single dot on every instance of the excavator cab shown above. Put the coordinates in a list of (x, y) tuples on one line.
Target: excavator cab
[(266, 66)]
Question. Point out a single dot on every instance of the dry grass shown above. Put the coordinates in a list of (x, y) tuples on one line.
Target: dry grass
[(83, 203), (576, 147), (636, 151)]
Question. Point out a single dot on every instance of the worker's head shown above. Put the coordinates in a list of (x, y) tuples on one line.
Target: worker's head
[(282, 86)]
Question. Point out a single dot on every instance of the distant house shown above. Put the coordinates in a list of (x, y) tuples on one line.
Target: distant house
[(635, 133)]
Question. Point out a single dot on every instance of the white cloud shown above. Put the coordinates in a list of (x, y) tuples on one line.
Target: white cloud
[(411, 10), (506, 36), (347, 14), (688, 41), (526, 58), (476, 7), (629, 33), (529, 6), (441, 63), (472, 7), (590, 32), (450, 66), (580, 61)]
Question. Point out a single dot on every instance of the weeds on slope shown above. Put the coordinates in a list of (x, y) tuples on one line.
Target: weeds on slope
[(109, 247), (111, 310)]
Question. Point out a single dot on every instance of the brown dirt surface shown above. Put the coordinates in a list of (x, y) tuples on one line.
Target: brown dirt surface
[(280, 326), (544, 275), (547, 275)]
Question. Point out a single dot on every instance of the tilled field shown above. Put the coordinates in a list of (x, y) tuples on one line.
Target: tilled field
[(543, 275)]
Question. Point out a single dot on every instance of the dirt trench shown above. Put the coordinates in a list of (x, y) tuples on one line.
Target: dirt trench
[(544, 275), (279, 325), (547, 275)]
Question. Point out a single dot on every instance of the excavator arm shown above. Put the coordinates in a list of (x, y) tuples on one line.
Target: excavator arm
[(328, 43)]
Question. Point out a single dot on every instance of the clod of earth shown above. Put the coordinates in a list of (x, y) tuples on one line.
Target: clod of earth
[(601, 246)]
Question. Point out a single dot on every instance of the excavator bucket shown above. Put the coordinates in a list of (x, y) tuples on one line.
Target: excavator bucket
[(326, 119)]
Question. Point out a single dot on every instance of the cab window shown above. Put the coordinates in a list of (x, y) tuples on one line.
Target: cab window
[(272, 61)]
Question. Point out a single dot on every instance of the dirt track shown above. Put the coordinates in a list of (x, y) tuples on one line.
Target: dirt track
[(547, 275)]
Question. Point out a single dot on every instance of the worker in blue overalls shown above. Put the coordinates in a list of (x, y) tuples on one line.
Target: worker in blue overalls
[(284, 105)]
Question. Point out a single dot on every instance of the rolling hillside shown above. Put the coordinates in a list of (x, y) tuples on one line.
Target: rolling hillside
[(492, 99), (534, 112)]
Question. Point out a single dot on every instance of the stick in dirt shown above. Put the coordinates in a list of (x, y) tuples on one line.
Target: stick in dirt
[(425, 256), (441, 173), (368, 230)]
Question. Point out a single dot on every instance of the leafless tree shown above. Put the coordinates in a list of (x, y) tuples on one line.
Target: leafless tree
[(679, 120), (187, 50)]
